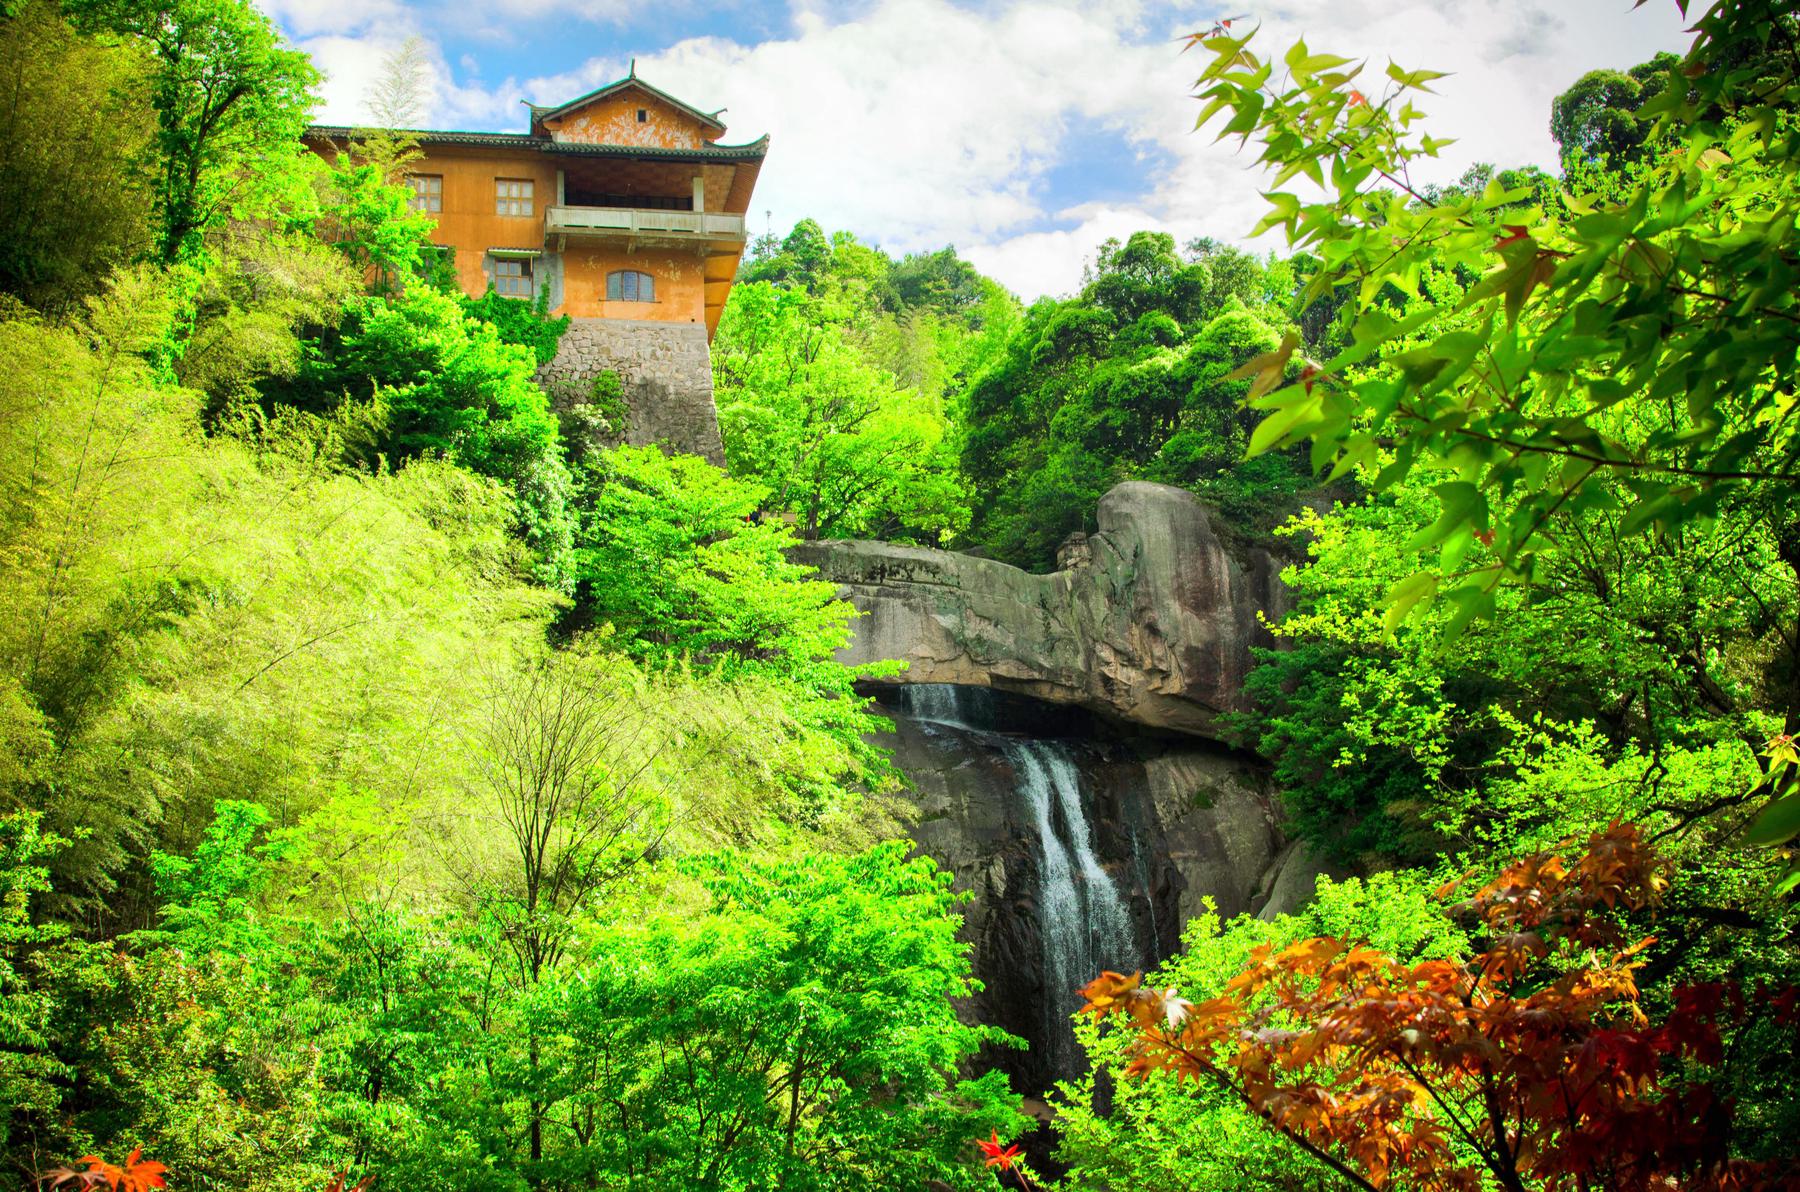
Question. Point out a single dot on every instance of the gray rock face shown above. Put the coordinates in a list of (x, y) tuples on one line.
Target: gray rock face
[(1150, 621), (1172, 822), (1293, 880), (667, 373)]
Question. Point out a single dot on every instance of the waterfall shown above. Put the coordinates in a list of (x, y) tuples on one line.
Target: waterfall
[(1083, 923), (940, 703)]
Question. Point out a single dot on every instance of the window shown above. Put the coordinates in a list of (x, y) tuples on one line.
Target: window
[(512, 276), (512, 196), (628, 285), (642, 115), (427, 193)]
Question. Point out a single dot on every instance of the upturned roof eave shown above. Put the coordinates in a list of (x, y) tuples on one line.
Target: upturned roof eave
[(752, 151), (710, 119)]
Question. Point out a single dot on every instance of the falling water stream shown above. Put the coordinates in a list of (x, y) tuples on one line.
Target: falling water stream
[(1083, 923)]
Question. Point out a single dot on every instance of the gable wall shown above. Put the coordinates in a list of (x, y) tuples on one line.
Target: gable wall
[(613, 121)]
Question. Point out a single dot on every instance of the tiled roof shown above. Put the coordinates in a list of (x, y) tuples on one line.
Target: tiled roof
[(754, 151)]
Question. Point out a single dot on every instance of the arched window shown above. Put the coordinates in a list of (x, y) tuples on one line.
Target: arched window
[(628, 285)]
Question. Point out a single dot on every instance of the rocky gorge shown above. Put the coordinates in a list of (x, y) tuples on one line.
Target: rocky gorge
[(1062, 737)]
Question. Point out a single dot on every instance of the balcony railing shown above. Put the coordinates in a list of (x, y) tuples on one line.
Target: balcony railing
[(634, 221)]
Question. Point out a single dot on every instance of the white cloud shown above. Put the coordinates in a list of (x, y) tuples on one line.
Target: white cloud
[(921, 123), (917, 123)]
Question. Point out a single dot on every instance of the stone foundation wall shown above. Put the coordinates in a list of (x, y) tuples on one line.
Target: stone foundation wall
[(666, 369)]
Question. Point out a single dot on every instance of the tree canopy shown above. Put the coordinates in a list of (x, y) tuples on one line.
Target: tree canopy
[(400, 787)]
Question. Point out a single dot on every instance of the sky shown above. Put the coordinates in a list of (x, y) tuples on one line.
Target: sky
[(1024, 132)]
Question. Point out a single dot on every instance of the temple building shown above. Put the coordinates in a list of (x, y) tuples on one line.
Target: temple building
[(621, 204), (621, 207)]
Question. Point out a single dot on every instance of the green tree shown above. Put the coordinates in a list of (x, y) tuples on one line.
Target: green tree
[(1131, 379), (528, 324), (1596, 119), (72, 123), (365, 212), (838, 443), (446, 384), (395, 1005), (426, 380), (263, 294), (209, 899), (800, 260), (29, 1070), (671, 555), (230, 102), (188, 617), (1539, 386), (799, 1033), (937, 281), (566, 761)]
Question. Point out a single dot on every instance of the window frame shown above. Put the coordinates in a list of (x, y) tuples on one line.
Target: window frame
[(517, 203), (617, 280), (426, 198), (522, 275)]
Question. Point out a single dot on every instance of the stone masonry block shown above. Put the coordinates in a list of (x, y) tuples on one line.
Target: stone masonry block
[(666, 370)]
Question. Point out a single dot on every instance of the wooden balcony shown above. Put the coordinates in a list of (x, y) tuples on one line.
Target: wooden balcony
[(643, 223)]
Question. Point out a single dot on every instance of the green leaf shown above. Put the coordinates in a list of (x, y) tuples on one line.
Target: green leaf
[(1416, 79), (1469, 605), (1779, 821), (1461, 504), (1403, 596), (1282, 422), (1212, 108)]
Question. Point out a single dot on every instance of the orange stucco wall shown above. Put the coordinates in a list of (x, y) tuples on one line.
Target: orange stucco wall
[(469, 222), (680, 284), (692, 281), (613, 121)]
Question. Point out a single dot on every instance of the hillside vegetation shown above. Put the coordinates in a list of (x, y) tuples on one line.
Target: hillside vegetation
[(399, 784)]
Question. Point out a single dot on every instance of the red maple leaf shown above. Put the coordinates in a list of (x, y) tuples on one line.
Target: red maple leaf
[(137, 1175), (998, 1154), (1515, 233)]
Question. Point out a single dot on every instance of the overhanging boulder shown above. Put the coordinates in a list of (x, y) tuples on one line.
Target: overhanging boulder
[(1152, 623)]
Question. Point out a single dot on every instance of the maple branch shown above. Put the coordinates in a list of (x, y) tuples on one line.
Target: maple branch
[(1456, 1120), (1507, 1174), (1204, 1066), (1602, 461)]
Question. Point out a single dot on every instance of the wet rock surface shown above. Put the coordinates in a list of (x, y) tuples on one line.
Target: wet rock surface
[(1168, 822)]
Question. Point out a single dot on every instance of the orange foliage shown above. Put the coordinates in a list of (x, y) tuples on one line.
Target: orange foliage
[(141, 1175), (138, 1175), (1530, 1063)]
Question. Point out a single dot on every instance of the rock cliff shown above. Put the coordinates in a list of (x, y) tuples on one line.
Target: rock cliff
[(1060, 733), (1168, 822), (1150, 621)]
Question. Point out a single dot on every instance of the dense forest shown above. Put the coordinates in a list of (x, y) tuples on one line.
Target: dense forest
[(405, 783)]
